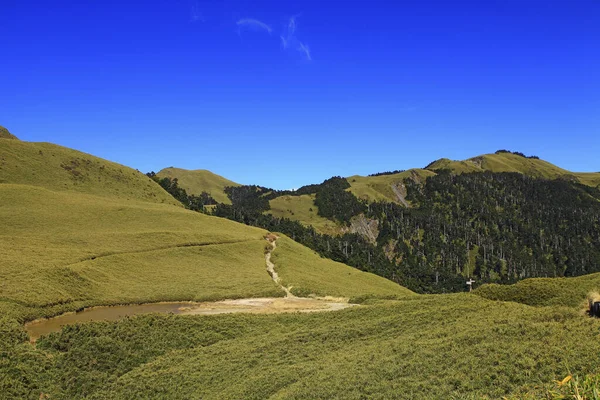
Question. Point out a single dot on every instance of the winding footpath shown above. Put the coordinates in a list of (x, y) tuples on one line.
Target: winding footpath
[(271, 267)]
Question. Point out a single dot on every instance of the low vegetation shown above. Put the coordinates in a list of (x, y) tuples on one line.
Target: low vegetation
[(79, 231), (435, 347), (570, 292)]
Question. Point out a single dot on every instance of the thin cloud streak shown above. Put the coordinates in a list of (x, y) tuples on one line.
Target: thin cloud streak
[(254, 24), (290, 41), (303, 48)]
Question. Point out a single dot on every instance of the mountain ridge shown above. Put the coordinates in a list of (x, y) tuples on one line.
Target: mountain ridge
[(388, 186)]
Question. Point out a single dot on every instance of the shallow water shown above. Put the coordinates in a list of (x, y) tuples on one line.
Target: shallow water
[(42, 327)]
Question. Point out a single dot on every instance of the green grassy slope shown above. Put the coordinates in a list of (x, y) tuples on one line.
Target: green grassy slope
[(544, 291), (302, 209), (198, 181), (507, 162), (5, 134), (588, 178), (379, 188), (111, 239), (74, 249), (309, 274), (59, 168), (424, 347), (64, 247)]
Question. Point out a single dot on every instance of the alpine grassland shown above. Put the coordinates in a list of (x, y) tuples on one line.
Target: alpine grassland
[(59, 168), (64, 247), (302, 209), (506, 161), (77, 231), (544, 291), (381, 188), (197, 181), (324, 277), (427, 346)]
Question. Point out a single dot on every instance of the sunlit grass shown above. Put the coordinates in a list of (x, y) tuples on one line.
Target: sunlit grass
[(197, 181)]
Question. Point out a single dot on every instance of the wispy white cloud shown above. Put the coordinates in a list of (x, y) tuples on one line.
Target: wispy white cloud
[(288, 37), (289, 40), (292, 25), (253, 24), (303, 48)]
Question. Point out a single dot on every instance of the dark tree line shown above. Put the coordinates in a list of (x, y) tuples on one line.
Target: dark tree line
[(517, 153), (398, 171)]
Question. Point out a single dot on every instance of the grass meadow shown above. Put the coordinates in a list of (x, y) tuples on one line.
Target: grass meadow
[(324, 277), (78, 231), (197, 181), (458, 346), (302, 209)]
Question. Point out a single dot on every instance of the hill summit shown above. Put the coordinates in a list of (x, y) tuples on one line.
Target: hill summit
[(5, 134), (509, 161), (197, 181)]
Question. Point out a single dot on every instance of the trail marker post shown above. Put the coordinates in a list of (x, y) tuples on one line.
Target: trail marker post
[(470, 282)]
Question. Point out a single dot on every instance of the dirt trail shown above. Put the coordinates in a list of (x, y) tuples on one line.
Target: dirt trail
[(271, 267)]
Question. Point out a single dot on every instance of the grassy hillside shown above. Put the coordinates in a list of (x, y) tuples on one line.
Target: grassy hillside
[(198, 181), (302, 209), (569, 292), (75, 249), (59, 168), (100, 233), (588, 178), (429, 347), (64, 247), (508, 162), (308, 274), (5, 134), (380, 188)]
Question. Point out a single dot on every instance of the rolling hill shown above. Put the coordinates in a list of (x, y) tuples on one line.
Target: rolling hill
[(510, 162), (197, 181), (385, 187), (58, 168), (106, 235), (80, 231), (381, 187)]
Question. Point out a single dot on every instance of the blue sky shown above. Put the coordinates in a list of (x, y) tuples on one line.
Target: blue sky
[(286, 93)]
